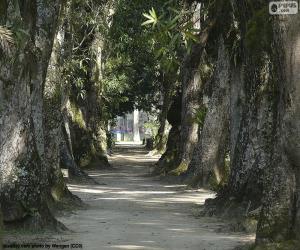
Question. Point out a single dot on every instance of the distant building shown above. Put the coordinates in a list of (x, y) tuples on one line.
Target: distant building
[(130, 127)]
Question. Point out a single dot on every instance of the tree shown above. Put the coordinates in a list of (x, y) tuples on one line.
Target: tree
[(24, 180), (182, 27), (85, 121), (279, 219), (209, 161), (1, 230), (54, 137), (131, 74), (260, 116), (258, 156)]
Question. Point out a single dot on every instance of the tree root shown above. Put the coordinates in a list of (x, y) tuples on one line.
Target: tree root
[(182, 168)]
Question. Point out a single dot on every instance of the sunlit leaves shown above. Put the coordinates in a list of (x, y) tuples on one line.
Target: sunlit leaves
[(151, 18), (131, 72), (6, 40), (173, 33)]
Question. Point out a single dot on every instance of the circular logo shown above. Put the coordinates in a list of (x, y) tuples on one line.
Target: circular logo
[(274, 8)]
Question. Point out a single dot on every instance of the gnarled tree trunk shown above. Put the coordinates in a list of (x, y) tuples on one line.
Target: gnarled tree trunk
[(161, 137), (169, 159), (1, 230), (209, 166), (265, 158), (253, 108), (23, 177), (95, 115), (59, 195), (280, 216)]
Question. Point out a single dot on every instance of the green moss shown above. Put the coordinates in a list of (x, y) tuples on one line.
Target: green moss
[(58, 190), (275, 228), (286, 245), (214, 183), (200, 115), (77, 116), (259, 32), (183, 166), (85, 160), (250, 225), (1, 230)]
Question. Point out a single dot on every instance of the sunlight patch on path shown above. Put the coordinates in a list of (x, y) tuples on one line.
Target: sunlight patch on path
[(131, 210)]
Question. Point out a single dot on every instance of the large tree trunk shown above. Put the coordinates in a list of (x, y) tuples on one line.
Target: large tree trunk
[(160, 139), (253, 118), (169, 159), (191, 89), (265, 158), (69, 139), (209, 164), (95, 106), (59, 195), (190, 104), (1, 230), (85, 108), (22, 153), (280, 216)]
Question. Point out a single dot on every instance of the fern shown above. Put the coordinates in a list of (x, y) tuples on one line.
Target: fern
[(6, 40)]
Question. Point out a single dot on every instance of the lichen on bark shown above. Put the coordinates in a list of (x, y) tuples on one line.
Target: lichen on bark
[(23, 173)]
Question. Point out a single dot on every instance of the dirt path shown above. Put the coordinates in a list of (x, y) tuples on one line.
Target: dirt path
[(131, 210), (134, 211)]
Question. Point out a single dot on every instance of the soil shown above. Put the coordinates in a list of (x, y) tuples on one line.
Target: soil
[(129, 209)]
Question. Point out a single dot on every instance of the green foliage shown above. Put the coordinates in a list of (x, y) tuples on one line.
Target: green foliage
[(259, 31), (172, 32), (153, 126), (286, 245), (76, 74), (200, 115), (131, 76), (110, 140), (77, 116), (6, 40), (152, 18)]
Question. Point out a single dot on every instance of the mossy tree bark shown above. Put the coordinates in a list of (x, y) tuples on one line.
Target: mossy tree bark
[(24, 174), (192, 82), (70, 117), (167, 89), (169, 159), (1, 230), (251, 148), (191, 88), (209, 160), (87, 123), (266, 149), (280, 216), (95, 107), (59, 195), (189, 126)]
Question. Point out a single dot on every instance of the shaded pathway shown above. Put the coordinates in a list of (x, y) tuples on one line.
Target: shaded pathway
[(131, 210)]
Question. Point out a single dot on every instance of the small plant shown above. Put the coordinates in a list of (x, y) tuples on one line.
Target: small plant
[(6, 40), (200, 115)]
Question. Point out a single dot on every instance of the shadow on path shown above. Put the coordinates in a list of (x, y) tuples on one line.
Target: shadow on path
[(131, 210)]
